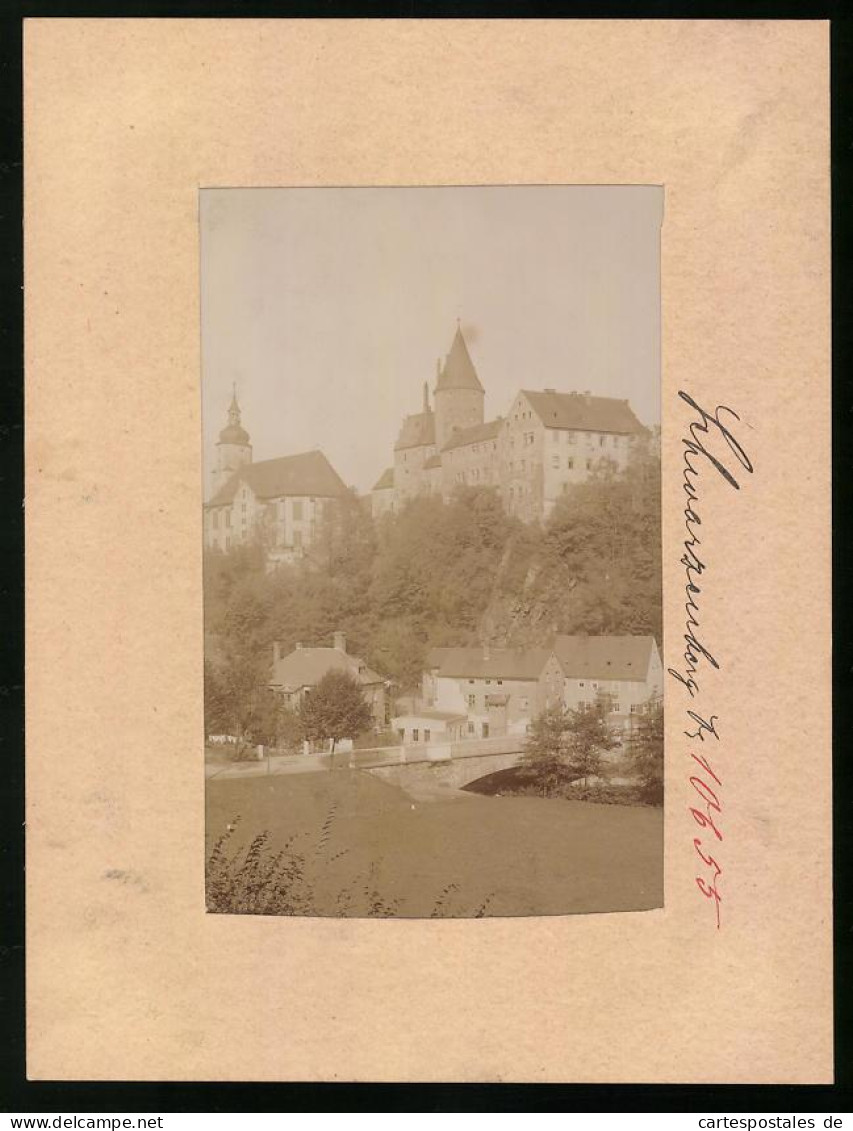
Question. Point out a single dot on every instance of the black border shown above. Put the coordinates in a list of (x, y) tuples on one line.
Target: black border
[(17, 1093)]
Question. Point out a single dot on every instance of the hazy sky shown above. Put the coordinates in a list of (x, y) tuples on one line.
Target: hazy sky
[(330, 307)]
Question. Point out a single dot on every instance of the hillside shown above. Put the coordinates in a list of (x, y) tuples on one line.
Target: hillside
[(441, 573)]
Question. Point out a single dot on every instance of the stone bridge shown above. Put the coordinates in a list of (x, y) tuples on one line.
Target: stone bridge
[(452, 765)]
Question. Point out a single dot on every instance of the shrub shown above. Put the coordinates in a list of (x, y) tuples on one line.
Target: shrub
[(254, 880)]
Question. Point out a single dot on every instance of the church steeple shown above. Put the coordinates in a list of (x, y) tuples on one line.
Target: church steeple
[(234, 432), (233, 448)]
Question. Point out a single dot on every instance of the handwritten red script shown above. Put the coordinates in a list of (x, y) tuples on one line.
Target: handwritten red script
[(708, 445)]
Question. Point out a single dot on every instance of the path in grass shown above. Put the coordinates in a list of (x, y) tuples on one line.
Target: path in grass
[(533, 856)]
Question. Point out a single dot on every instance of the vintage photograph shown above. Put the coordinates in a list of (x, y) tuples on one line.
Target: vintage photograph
[(432, 550)]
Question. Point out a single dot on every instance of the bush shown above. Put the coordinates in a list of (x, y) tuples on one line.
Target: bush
[(254, 880)]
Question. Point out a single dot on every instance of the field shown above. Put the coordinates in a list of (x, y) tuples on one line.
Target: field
[(453, 855)]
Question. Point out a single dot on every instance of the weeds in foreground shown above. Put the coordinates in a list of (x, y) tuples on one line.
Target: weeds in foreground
[(253, 880)]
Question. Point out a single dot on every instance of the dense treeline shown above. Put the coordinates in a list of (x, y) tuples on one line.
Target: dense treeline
[(440, 573)]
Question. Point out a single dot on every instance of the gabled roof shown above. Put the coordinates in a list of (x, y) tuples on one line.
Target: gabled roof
[(305, 667), (458, 371), (308, 474), (583, 413), (474, 435), (418, 431), (492, 663), (385, 480), (605, 657)]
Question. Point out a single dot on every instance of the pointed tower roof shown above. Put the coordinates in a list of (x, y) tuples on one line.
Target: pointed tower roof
[(233, 432), (458, 371)]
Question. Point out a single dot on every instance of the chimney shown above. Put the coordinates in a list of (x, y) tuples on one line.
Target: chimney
[(276, 652), (340, 641), (426, 396)]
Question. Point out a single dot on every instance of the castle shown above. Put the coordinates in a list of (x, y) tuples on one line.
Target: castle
[(547, 442)]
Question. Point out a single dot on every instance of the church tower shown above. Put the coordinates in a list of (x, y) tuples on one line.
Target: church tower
[(458, 393), (233, 448)]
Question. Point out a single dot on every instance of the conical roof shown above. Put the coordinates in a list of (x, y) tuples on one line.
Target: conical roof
[(458, 371)]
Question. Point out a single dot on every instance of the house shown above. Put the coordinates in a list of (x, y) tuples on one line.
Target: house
[(425, 724), (498, 690), (283, 501), (554, 440), (295, 674), (620, 672)]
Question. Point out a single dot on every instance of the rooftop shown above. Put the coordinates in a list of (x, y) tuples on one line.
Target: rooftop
[(604, 657), (308, 474), (385, 480), (418, 431), (458, 371), (489, 663), (583, 413), (477, 434), (305, 667)]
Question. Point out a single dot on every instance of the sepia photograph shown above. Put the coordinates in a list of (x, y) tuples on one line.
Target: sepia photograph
[(432, 550)]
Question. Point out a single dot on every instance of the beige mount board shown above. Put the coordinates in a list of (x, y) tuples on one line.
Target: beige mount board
[(125, 121)]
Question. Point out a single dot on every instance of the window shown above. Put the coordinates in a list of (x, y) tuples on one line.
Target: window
[(228, 519), (524, 702), (470, 681), (297, 509), (555, 461), (615, 708), (402, 734), (415, 734), (485, 730), (589, 465), (427, 735), (500, 683), (528, 437), (472, 702), (581, 683), (570, 463), (601, 441), (488, 681), (470, 728)]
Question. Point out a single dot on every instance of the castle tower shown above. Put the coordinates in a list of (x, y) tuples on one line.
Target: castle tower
[(458, 395), (233, 448)]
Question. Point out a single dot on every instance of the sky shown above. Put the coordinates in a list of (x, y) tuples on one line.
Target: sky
[(329, 308)]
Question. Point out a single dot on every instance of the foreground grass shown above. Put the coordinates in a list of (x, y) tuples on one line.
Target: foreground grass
[(448, 858)]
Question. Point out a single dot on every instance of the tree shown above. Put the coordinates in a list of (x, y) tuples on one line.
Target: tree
[(334, 709), (565, 745), (645, 750)]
